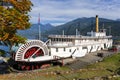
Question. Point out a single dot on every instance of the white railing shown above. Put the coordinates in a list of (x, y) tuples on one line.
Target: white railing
[(77, 36), (61, 44)]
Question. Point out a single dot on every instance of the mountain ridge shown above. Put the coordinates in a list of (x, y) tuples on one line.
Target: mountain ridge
[(83, 25), (79, 23), (32, 32)]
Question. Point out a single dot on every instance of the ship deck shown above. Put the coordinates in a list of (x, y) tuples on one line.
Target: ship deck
[(78, 37)]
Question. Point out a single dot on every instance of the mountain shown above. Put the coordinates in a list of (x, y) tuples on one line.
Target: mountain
[(112, 28), (48, 26), (82, 24), (117, 19), (32, 32)]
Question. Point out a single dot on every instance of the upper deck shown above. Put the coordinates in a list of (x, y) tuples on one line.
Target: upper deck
[(73, 40), (77, 37)]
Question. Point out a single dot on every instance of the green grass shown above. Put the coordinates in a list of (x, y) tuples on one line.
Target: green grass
[(111, 62), (107, 67)]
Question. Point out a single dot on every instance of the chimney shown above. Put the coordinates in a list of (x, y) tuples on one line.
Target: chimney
[(97, 24)]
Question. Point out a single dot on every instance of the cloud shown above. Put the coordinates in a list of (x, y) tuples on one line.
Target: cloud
[(62, 11)]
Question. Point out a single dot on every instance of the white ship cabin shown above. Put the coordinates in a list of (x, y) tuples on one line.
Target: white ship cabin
[(78, 45)]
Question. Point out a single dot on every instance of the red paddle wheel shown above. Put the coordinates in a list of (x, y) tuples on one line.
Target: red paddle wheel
[(31, 51), (28, 56)]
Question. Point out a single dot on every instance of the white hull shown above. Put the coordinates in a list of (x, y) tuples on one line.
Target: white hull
[(78, 50)]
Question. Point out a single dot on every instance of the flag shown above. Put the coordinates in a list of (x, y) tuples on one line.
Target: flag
[(39, 19)]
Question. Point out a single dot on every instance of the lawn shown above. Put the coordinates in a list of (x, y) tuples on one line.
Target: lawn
[(108, 67)]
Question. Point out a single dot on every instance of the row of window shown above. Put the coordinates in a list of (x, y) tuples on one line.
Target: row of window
[(85, 47), (61, 39), (64, 49)]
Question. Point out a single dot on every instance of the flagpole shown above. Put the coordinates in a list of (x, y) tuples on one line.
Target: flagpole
[(39, 27)]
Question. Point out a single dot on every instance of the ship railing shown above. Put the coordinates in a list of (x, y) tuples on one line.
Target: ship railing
[(64, 36), (78, 36), (92, 42), (88, 37), (61, 43)]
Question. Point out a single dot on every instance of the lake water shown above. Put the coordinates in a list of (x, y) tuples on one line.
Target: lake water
[(4, 48)]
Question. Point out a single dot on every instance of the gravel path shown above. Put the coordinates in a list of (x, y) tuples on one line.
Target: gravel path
[(88, 59)]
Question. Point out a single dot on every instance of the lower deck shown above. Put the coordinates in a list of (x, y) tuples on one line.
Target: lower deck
[(77, 50)]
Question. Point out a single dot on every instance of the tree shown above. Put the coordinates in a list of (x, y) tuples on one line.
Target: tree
[(13, 19)]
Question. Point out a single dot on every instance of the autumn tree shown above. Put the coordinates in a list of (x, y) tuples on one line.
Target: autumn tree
[(13, 19)]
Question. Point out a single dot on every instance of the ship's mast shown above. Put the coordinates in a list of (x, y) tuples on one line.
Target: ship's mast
[(63, 33), (76, 32), (39, 27)]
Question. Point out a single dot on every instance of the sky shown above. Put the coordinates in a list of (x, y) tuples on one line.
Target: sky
[(57, 12)]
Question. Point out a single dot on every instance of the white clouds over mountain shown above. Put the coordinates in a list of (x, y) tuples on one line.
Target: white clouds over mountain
[(61, 11)]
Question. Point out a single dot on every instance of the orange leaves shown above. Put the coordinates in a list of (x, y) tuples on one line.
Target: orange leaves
[(5, 36), (22, 6), (13, 19), (17, 39)]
